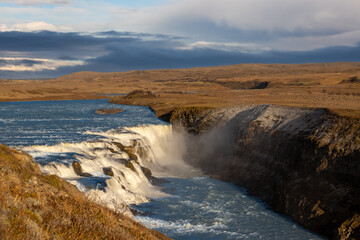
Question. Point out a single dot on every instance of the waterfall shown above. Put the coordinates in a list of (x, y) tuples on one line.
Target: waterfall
[(120, 166)]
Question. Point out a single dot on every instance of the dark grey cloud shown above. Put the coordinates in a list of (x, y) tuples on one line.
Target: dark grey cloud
[(46, 41), (70, 45), (136, 35), (139, 57), (65, 57), (23, 62), (206, 29), (3, 62), (116, 51)]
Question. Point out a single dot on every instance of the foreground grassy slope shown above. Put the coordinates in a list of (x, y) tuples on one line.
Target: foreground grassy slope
[(38, 206)]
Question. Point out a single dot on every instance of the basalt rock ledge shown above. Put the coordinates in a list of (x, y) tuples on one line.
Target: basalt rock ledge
[(304, 163)]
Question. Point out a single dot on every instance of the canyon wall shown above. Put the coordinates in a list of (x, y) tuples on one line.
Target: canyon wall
[(304, 163)]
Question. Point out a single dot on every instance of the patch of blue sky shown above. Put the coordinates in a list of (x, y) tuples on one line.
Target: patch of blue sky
[(9, 5)]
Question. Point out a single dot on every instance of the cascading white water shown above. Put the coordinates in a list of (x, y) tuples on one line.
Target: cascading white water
[(167, 149), (114, 167)]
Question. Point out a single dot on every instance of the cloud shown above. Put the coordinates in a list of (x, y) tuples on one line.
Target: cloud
[(28, 27), (37, 2), (275, 24), (52, 54), (274, 15), (260, 21), (228, 47), (46, 44), (34, 64)]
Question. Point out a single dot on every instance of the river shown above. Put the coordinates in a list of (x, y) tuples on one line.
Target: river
[(188, 205)]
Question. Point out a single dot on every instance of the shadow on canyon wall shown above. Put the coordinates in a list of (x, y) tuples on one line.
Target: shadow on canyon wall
[(304, 163)]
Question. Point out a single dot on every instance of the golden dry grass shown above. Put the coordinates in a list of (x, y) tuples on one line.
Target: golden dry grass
[(323, 85)]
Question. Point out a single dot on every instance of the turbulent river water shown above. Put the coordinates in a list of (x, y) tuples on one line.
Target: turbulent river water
[(115, 151)]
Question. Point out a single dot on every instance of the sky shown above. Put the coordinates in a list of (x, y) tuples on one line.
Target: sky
[(50, 38)]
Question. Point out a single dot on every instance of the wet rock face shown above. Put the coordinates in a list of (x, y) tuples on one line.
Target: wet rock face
[(196, 120), (304, 163), (79, 171), (108, 171), (129, 150)]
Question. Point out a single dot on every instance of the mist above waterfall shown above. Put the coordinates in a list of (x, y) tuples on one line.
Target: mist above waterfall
[(210, 151), (169, 151)]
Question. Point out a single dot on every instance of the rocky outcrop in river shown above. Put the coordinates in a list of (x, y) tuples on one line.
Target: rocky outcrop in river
[(304, 163)]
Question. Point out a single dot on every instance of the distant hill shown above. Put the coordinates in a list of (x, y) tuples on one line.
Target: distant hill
[(324, 85)]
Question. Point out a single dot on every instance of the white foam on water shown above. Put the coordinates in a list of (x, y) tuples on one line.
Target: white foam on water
[(181, 226), (155, 146), (167, 151), (183, 229)]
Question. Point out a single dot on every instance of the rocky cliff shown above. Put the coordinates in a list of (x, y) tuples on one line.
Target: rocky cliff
[(38, 206), (304, 163)]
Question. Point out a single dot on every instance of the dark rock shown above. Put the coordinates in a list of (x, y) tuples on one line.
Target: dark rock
[(111, 150), (85, 174), (78, 170), (119, 145), (77, 167), (189, 118), (129, 150), (108, 171), (132, 155), (136, 212), (306, 166), (131, 166), (151, 178), (121, 160), (147, 172)]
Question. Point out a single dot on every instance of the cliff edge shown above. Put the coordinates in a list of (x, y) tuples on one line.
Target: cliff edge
[(304, 163)]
